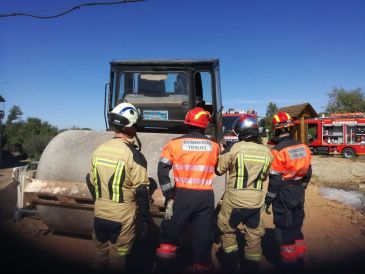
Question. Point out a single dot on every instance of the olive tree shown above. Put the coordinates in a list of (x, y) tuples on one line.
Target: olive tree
[(27, 138), (345, 101)]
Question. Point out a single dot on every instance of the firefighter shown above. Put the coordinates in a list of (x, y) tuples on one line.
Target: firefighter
[(118, 182), (247, 163), (190, 200), (289, 175)]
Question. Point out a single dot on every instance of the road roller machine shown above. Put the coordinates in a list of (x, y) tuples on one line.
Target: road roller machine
[(163, 91)]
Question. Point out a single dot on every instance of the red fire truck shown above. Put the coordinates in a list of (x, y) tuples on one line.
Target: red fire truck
[(337, 134), (229, 118)]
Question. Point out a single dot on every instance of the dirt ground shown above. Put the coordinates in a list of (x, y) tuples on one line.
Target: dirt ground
[(334, 232), (339, 172)]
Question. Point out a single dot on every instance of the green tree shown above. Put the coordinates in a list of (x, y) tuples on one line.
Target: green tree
[(11, 139), (37, 135), (271, 110), (345, 101), (27, 138), (14, 115)]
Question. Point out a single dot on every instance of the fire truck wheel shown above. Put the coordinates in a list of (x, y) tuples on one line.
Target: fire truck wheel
[(348, 153)]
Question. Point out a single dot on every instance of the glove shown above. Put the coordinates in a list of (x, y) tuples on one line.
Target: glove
[(222, 145), (90, 187), (267, 209), (168, 211), (269, 198), (143, 229)]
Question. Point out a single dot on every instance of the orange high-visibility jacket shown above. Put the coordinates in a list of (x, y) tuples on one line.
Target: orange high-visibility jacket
[(291, 162), (291, 166), (193, 158)]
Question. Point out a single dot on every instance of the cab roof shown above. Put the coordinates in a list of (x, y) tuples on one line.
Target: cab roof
[(166, 62)]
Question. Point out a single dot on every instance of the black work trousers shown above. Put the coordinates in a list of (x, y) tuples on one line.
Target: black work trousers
[(194, 207), (288, 209)]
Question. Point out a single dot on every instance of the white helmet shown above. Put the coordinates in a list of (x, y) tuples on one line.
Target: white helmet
[(123, 115)]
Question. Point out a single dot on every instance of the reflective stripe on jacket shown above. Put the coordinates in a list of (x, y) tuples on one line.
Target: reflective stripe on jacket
[(115, 183), (117, 170), (193, 158), (247, 164)]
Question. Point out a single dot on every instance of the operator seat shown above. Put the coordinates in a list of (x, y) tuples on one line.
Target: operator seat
[(151, 87)]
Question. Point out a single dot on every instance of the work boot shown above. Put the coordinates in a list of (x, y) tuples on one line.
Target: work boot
[(166, 262), (251, 261), (301, 249), (198, 268), (289, 258), (228, 261), (288, 254), (248, 266), (166, 266)]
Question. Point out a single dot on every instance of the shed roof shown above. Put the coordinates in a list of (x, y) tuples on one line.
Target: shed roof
[(297, 111)]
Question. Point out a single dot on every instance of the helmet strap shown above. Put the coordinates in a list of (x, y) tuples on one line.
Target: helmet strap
[(126, 132), (282, 132), (253, 139), (129, 131), (194, 128)]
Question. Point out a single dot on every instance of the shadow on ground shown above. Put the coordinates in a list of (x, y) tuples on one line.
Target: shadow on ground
[(20, 256)]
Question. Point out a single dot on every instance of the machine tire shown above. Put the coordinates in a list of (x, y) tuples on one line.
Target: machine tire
[(348, 153)]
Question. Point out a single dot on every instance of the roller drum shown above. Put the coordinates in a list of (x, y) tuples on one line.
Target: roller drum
[(67, 160)]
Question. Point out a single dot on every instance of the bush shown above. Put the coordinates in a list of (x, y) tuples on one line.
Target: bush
[(34, 145), (27, 138)]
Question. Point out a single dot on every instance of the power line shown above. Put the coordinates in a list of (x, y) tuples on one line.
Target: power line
[(69, 10)]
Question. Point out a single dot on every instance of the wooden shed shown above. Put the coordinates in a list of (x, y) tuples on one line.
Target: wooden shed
[(300, 112)]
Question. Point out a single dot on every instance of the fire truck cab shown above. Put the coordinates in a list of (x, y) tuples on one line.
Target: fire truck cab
[(337, 134), (230, 117)]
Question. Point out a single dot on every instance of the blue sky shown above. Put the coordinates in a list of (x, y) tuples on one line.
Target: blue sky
[(283, 51)]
